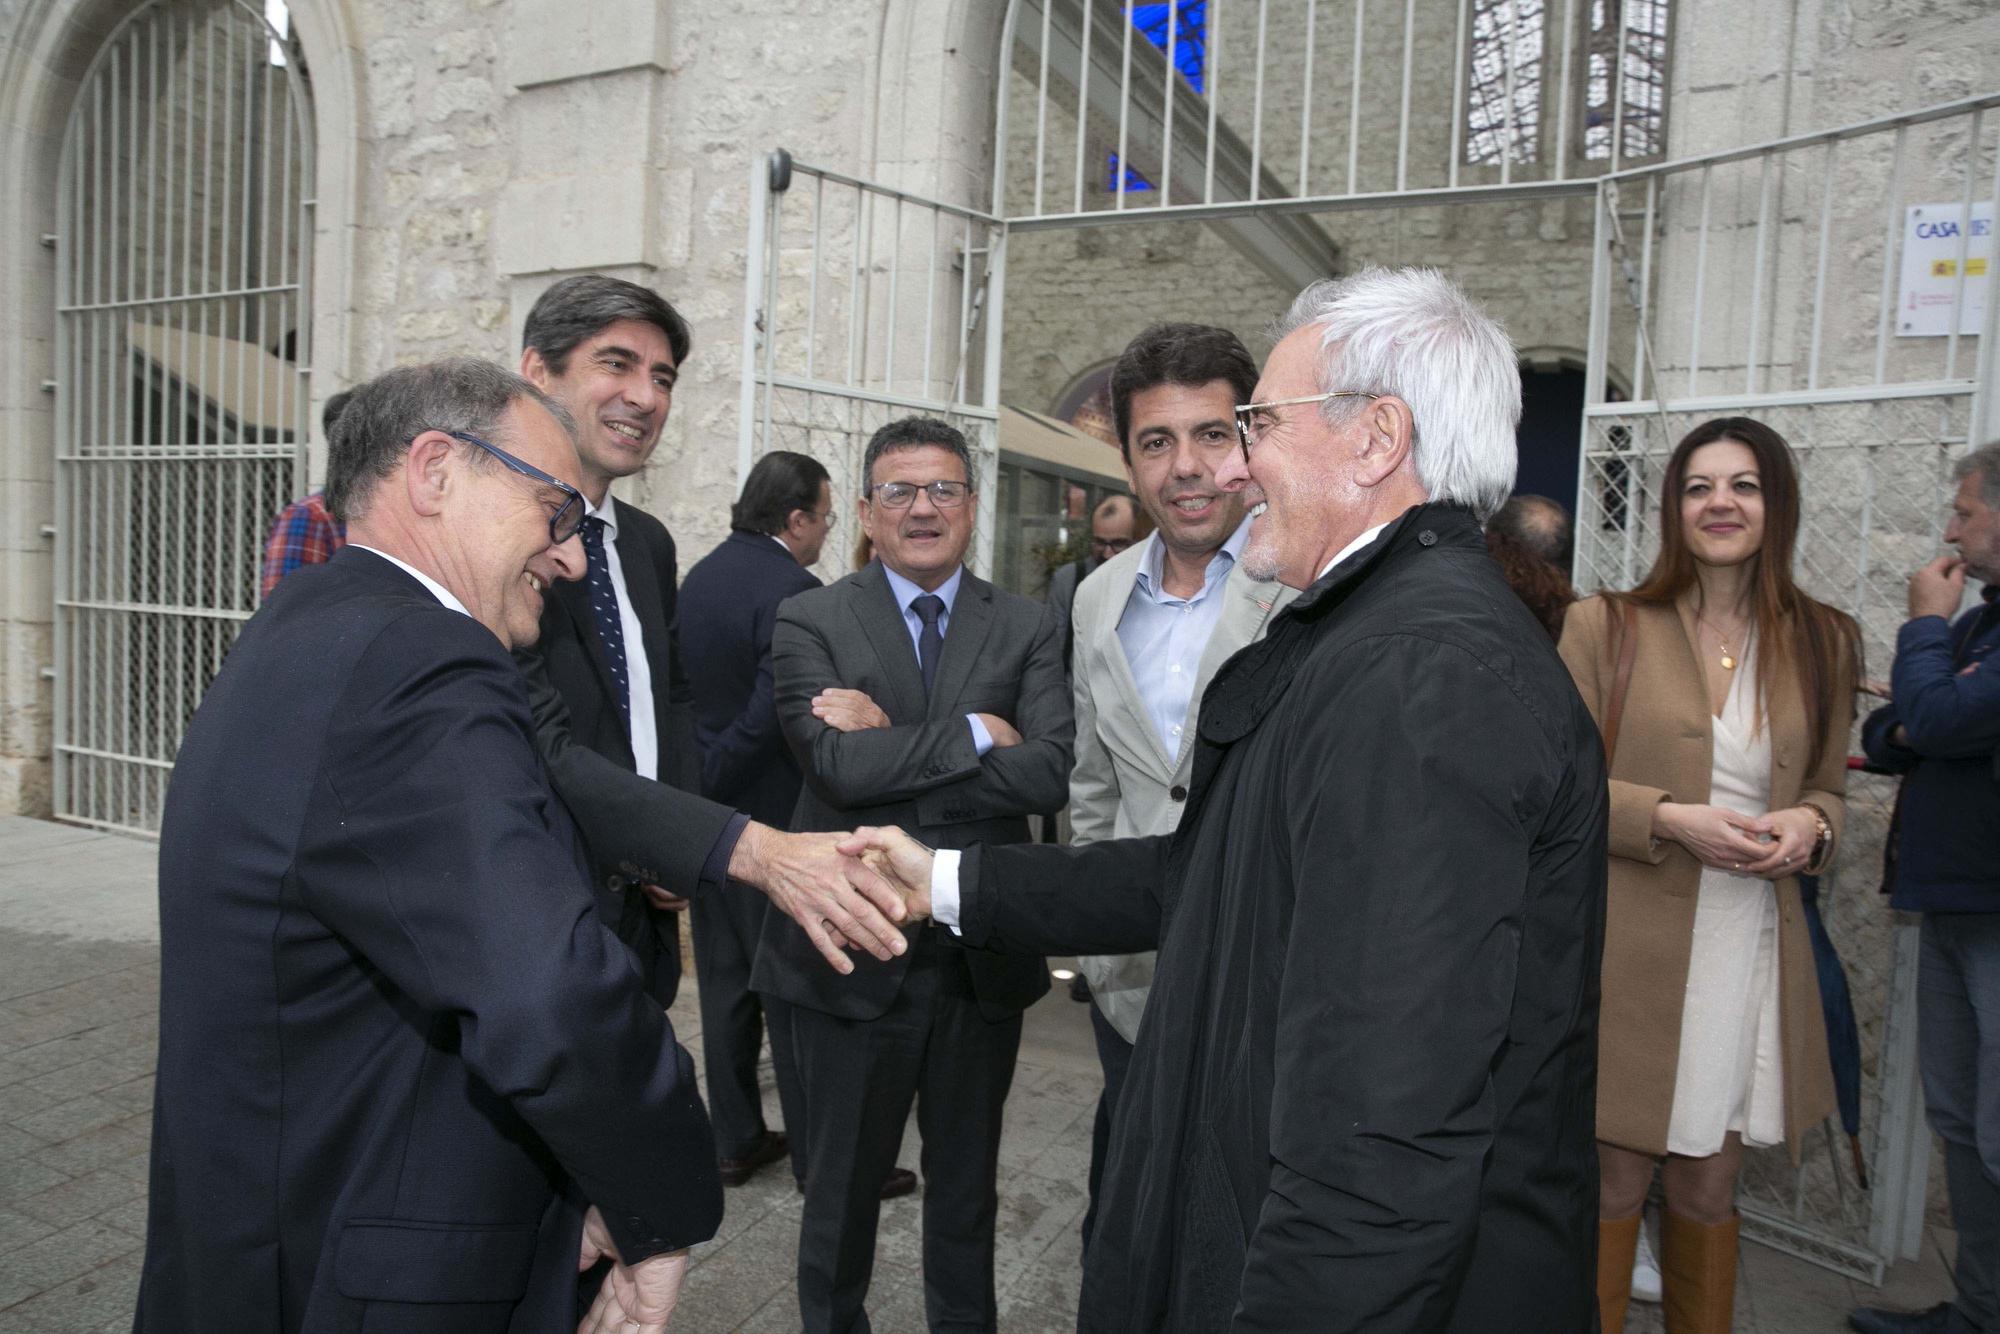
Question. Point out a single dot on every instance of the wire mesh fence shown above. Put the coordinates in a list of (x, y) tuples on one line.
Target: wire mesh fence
[(1874, 478)]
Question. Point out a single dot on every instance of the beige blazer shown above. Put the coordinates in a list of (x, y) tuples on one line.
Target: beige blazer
[(1665, 753), (1124, 783)]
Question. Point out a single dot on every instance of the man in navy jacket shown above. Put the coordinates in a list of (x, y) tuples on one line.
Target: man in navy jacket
[(729, 604), (1942, 733), (408, 1081)]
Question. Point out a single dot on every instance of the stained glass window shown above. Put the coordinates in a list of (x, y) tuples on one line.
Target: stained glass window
[(1641, 78), (1189, 34), (1134, 182), (1503, 114)]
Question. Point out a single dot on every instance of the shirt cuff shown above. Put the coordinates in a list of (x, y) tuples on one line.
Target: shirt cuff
[(982, 740), (715, 871), (944, 889)]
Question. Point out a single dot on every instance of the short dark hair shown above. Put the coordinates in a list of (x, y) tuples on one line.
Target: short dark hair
[(1537, 523), (1188, 354), (575, 308), (330, 411), (915, 433), (779, 483), (383, 416)]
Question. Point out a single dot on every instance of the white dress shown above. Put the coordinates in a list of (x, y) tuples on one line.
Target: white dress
[(1731, 1072)]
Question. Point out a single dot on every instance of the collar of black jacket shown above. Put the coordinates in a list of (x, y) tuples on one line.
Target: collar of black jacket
[(1433, 526), (1248, 683)]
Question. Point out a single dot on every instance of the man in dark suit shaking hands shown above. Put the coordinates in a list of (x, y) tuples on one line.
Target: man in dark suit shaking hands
[(400, 1056), (913, 693), (611, 701)]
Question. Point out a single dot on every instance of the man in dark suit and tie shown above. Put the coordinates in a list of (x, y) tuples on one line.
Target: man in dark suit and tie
[(914, 694), (407, 1080), (610, 351)]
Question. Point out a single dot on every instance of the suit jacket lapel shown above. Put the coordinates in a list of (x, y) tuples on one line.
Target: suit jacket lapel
[(574, 597), (642, 586), (964, 639), (875, 608)]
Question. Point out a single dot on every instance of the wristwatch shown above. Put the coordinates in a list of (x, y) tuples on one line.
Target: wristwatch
[(1823, 836)]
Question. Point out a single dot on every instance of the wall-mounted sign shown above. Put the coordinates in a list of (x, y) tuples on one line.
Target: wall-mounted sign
[(1933, 235)]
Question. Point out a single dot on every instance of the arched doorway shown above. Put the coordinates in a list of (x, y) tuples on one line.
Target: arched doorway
[(1548, 439), (183, 245)]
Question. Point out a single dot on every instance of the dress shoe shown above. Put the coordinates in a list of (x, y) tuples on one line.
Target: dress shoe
[(774, 1145), (1079, 988), (1944, 1318)]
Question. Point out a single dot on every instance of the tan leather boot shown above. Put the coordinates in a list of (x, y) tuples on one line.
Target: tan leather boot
[(1698, 1266), (1617, 1243)]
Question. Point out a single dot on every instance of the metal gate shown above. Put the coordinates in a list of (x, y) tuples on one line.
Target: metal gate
[(863, 304), (1773, 281), (1763, 280), (183, 241)]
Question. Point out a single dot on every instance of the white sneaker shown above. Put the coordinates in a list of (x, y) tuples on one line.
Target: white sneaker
[(1645, 1271)]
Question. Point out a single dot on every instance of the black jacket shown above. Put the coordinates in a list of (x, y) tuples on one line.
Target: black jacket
[(923, 772), (1946, 856), (398, 1050), (588, 750), (1363, 1094), (729, 607)]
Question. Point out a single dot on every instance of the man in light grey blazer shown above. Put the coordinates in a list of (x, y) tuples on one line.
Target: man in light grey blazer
[(1152, 625)]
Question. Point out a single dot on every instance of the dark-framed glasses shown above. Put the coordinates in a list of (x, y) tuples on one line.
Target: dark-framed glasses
[(1109, 546), (900, 495), (1255, 420), (565, 522)]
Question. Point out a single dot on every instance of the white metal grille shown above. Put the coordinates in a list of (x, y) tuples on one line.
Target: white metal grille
[(864, 304), (183, 245)]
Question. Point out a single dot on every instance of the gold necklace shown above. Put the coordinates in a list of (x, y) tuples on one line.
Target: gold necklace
[(1728, 658)]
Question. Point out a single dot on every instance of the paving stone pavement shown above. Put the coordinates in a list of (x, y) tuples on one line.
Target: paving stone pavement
[(79, 977)]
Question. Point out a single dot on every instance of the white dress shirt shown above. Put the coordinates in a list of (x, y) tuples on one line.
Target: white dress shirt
[(638, 672), (437, 590)]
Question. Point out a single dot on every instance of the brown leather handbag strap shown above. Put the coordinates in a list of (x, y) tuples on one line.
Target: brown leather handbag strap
[(1626, 638)]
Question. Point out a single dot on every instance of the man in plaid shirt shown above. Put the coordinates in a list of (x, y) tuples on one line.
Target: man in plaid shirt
[(306, 533)]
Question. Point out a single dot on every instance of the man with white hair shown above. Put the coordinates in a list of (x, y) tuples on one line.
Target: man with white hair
[(1362, 1097)]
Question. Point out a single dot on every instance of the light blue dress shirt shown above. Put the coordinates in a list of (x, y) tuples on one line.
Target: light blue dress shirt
[(1165, 636), (905, 593)]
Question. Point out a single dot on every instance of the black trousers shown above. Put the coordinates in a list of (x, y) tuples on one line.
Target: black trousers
[(1114, 1053), (933, 1048), (725, 927)]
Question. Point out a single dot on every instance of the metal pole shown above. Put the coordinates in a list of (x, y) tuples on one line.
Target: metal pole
[(1212, 87), (1403, 116), (1891, 229), (1082, 117), (1819, 268), (753, 291), (1257, 105), (1306, 102), (1124, 99), (1757, 275), (1563, 92), (1964, 240), (1355, 67), (1041, 104), (1167, 104), (1700, 276), (1462, 58)]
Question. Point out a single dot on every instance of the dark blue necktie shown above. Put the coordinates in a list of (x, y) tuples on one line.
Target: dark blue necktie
[(930, 639), (604, 607)]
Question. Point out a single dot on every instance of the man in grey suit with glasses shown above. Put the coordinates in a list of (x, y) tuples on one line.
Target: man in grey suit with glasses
[(913, 693)]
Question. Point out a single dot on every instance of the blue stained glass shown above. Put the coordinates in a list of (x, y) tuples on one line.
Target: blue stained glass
[(1134, 182), (1190, 34)]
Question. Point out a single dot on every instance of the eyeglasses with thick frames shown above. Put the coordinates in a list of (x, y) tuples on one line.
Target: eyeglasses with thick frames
[(565, 522), (901, 495), (1110, 546), (1254, 420)]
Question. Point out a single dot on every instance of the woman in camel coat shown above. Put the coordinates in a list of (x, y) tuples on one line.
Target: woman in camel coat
[(1727, 768)]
